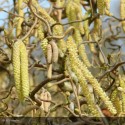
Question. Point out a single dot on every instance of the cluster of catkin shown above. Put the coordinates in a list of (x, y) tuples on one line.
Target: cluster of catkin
[(75, 52), (20, 67), (104, 7), (52, 57), (20, 59), (84, 75), (122, 12), (72, 9), (118, 95)]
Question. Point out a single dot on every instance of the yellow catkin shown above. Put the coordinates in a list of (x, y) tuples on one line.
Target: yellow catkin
[(85, 89), (104, 7), (82, 52), (49, 54), (58, 31), (86, 26), (122, 84), (16, 68), (26, 41), (107, 7), (55, 52), (122, 12), (87, 74), (44, 44), (74, 12), (96, 29), (20, 67), (24, 70), (116, 101), (42, 12), (40, 32), (49, 71), (95, 34), (92, 45), (60, 4), (20, 13), (101, 6)]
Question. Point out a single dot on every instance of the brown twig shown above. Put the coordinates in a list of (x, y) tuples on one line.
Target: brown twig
[(60, 82), (61, 37), (111, 70), (28, 33), (39, 17), (77, 100), (37, 88)]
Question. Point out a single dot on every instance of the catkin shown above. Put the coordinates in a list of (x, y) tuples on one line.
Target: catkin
[(49, 54), (49, 71), (24, 70), (74, 12), (87, 74), (100, 5), (44, 44), (17, 70), (85, 89), (86, 26), (107, 7), (55, 51), (42, 12), (103, 7), (81, 48), (20, 13), (40, 32), (44, 41), (122, 12), (116, 101), (122, 84), (58, 30), (20, 67)]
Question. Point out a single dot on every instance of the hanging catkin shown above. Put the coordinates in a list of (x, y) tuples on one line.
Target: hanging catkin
[(49, 54), (55, 51), (20, 67), (122, 12), (74, 59)]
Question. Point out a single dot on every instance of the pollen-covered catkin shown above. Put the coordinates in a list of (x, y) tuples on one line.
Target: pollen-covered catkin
[(40, 32), (49, 71), (85, 89), (16, 68), (86, 26), (122, 84), (49, 54), (24, 70), (42, 12), (92, 45), (20, 67), (54, 52), (101, 6), (122, 12), (107, 8), (87, 74), (81, 79), (116, 101), (58, 31), (20, 13), (81, 48), (104, 7), (44, 44), (74, 12)]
